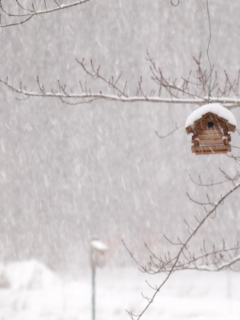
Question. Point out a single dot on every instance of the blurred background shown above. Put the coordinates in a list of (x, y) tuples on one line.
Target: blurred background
[(70, 172)]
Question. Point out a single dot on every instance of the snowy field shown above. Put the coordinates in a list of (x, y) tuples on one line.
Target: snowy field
[(30, 291)]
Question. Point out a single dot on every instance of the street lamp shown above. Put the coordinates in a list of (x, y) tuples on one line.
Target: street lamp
[(97, 259)]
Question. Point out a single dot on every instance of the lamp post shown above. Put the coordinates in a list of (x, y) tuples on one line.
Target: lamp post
[(97, 259)]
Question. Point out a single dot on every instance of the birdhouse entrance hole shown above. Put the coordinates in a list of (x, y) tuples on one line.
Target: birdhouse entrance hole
[(210, 125)]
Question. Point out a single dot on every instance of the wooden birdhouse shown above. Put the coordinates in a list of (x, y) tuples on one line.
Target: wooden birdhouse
[(211, 125)]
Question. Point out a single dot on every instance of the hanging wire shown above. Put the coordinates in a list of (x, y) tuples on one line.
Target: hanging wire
[(175, 5), (210, 65)]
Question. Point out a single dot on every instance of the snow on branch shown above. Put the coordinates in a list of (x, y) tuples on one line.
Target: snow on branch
[(220, 267), (23, 13), (192, 89)]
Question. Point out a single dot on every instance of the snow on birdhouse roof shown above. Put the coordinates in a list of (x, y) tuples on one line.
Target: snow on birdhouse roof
[(215, 108), (98, 245)]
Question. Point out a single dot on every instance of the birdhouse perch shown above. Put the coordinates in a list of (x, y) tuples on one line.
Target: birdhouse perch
[(210, 125)]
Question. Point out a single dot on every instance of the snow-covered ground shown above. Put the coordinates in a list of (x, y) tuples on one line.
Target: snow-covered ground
[(30, 291)]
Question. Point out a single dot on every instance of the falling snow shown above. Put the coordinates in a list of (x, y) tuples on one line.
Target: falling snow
[(71, 172)]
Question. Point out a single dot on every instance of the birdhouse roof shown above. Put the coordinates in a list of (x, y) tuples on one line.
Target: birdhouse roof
[(98, 245), (215, 108)]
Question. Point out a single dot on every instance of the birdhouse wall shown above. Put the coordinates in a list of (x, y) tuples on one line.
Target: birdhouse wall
[(210, 122), (211, 135)]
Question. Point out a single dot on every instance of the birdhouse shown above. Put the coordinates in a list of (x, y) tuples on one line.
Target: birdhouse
[(211, 125), (97, 253)]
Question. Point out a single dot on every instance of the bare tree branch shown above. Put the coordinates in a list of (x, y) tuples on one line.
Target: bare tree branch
[(170, 133), (212, 183), (175, 265), (214, 259), (95, 74), (185, 91), (30, 13), (109, 97)]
